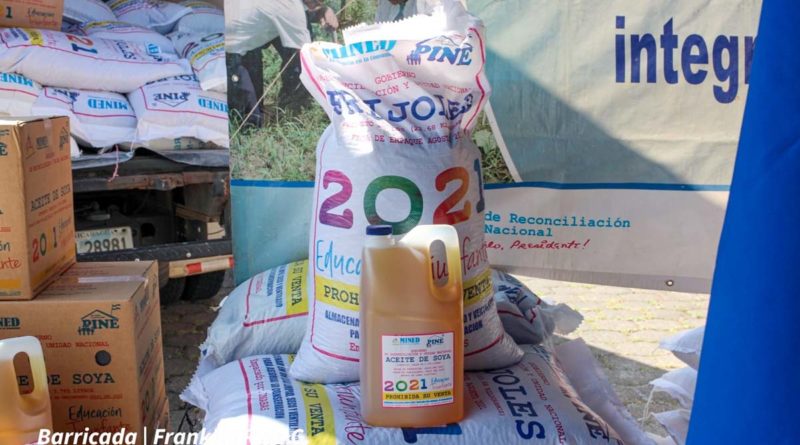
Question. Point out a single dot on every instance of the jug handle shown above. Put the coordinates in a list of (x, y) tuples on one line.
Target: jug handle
[(30, 403), (421, 238)]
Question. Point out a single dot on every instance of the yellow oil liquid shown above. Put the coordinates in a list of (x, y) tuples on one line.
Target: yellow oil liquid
[(412, 332), (23, 415)]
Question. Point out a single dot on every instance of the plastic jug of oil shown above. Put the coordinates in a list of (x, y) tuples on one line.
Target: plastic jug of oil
[(412, 328), (23, 415)]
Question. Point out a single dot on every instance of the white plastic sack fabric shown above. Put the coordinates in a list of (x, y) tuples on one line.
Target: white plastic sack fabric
[(177, 107), (96, 118), (17, 94), (85, 11), (676, 422), (686, 346), (594, 389), (253, 400), (69, 61), (402, 99), (267, 314), (204, 19), (116, 30), (182, 143), (74, 150), (160, 16), (526, 317), (679, 384), (206, 54), (250, 25), (264, 315)]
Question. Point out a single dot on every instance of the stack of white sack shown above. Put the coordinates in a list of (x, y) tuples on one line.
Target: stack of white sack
[(62, 60), (18, 94), (109, 51), (78, 12), (97, 119), (534, 401), (177, 107), (116, 30), (160, 16), (267, 314), (204, 18), (680, 383), (206, 54)]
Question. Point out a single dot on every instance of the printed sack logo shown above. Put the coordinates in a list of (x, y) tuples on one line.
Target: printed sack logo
[(173, 99), (435, 340), (97, 320), (405, 341), (441, 49)]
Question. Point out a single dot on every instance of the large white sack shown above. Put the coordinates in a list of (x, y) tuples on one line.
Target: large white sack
[(526, 317), (17, 94), (676, 422), (177, 107), (253, 400), (206, 54), (205, 18), (85, 11), (116, 30), (402, 101), (679, 384), (686, 346), (267, 314), (96, 118), (70, 61), (264, 315), (595, 390), (158, 15)]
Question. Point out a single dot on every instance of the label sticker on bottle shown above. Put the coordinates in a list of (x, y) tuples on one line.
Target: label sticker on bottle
[(417, 370)]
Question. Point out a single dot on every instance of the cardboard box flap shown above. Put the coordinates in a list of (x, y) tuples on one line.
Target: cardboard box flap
[(100, 282), (19, 120)]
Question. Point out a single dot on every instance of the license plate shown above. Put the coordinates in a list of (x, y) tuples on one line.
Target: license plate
[(104, 240)]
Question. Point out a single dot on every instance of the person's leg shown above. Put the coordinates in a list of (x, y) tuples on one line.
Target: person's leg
[(241, 91), (292, 96)]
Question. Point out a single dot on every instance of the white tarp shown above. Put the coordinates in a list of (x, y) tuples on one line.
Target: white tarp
[(620, 110)]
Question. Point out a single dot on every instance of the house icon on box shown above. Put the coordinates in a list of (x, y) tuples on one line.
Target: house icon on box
[(97, 319)]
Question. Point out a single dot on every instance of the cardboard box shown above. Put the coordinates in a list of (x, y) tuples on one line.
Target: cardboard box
[(37, 231), (100, 327), (43, 14)]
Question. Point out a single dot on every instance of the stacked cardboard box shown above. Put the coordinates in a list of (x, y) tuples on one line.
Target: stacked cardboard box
[(99, 323), (37, 231), (100, 327)]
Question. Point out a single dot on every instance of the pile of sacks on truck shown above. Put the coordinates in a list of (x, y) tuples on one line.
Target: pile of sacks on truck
[(127, 73)]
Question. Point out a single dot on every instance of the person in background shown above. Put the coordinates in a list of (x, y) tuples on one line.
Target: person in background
[(392, 10), (253, 26)]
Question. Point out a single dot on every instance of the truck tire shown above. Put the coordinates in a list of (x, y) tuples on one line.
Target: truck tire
[(203, 287), (171, 293)]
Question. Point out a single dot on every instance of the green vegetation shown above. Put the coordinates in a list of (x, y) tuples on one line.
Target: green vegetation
[(284, 149)]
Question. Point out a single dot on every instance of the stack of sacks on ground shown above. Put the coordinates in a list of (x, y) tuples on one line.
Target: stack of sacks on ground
[(268, 313), (680, 383), (107, 53), (260, 325), (254, 399)]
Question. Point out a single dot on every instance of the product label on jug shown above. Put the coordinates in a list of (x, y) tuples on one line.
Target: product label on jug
[(417, 370)]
